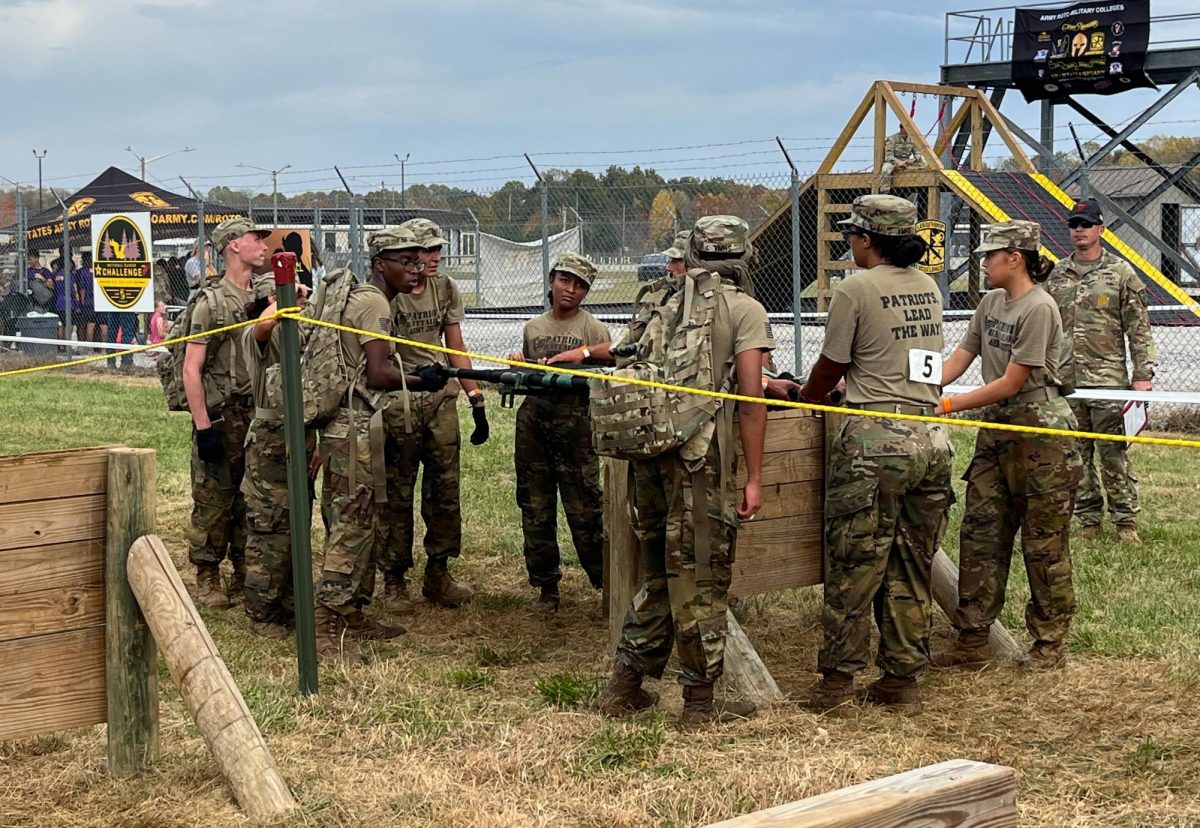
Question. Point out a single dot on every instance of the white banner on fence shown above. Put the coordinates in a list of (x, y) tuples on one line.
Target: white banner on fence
[(510, 273), (122, 263)]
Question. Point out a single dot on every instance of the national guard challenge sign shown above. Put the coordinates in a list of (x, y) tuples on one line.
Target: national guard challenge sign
[(121, 251), (1087, 48)]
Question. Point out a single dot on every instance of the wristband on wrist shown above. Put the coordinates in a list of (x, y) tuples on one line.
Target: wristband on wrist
[(947, 405), (583, 349)]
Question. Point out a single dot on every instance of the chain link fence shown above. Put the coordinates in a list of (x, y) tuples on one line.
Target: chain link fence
[(501, 240)]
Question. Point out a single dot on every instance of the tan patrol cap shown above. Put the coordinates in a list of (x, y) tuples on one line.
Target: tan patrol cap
[(393, 238), (428, 234), (577, 265), (234, 228), (678, 248)]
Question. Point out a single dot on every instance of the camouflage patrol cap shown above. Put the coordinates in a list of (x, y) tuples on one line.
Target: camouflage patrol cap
[(234, 228), (577, 265), (428, 234), (394, 238), (263, 286), (678, 248), (887, 215), (1018, 235), (720, 234)]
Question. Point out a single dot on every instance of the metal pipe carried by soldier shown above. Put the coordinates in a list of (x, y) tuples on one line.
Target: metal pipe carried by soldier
[(515, 382)]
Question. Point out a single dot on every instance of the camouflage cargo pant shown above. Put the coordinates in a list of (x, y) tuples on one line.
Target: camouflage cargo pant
[(434, 444), (268, 588), (674, 607), (218, 526), (1026, 482), (885, 509), (1120, 484), (553, 455), (888, 169), (355, 528)]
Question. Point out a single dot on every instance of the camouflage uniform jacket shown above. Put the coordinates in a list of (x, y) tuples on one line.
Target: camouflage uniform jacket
[(899, 148), (1099, 309)]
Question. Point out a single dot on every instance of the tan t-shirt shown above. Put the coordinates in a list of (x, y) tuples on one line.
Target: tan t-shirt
[(876, 318), (1027, 331), (367, 309), (422, 317), (748, 328), (544, 336), (220, 361)]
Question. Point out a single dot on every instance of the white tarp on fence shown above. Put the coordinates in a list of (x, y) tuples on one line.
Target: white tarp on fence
[(510, 273)]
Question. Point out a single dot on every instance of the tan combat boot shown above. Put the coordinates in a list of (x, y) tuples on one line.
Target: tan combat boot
[(1088, 531), (899, 693), (834, 695), (441, 588), (360, 625), (971, 651), (269, 629), (237, 583), (1048, 655), (395, 595), (700, 708), (547, 601), (1128, 535), (333, 645), (208, 587), (624, 693)]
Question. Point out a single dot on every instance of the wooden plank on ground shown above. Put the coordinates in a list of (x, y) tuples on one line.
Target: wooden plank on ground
[(53, 474), (955, 794), (51, 611), (52, 682), (34, 523), (31, 568)]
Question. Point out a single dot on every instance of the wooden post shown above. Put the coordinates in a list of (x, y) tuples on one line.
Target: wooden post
[(204, 682), (945, 592), (623, 566), (131, 663), (745, 671), (955, 794)]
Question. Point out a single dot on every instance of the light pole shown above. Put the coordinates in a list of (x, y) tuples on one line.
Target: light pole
[(274, 188), (402, 161), (39, 158), (144, 161)]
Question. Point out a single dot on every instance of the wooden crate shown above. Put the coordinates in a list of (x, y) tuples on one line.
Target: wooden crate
[(782, 547), (53, 508)]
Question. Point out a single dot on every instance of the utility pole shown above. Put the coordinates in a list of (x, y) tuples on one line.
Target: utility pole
[(403, 161), (144, 161), (274, 187), (39, 158)]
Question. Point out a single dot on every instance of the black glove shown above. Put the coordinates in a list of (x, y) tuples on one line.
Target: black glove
[(210, 444), (482, 431), (433, 377)]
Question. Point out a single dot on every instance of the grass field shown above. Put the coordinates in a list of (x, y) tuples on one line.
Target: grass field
[(479, 717)]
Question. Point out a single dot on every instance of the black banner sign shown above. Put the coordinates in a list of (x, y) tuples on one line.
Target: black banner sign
[(1084, 49)]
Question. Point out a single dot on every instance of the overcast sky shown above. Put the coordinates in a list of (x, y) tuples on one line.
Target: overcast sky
[(573, 82)]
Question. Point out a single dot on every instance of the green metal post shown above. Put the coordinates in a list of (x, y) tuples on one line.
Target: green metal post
[(297, 467)]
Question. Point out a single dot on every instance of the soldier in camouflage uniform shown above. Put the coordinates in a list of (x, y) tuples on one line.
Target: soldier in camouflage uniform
[(888, 486), (424, 432), (353, 447), (217, 386), (898, 153), (1016, 480), (553, 447), (680, 603), (268, 589), (1102, 302)]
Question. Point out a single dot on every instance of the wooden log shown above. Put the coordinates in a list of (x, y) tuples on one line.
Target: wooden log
[(51, 682), (945, 592), (956, 794), (623, 566), (204, 682), (131, 659), (745, 672)]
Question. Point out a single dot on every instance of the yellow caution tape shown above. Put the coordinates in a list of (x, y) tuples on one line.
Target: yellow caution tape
[(294, 313)]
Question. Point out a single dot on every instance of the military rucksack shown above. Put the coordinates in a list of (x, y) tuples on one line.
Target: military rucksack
[(326, 382), (170, 364), (631, 421)]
